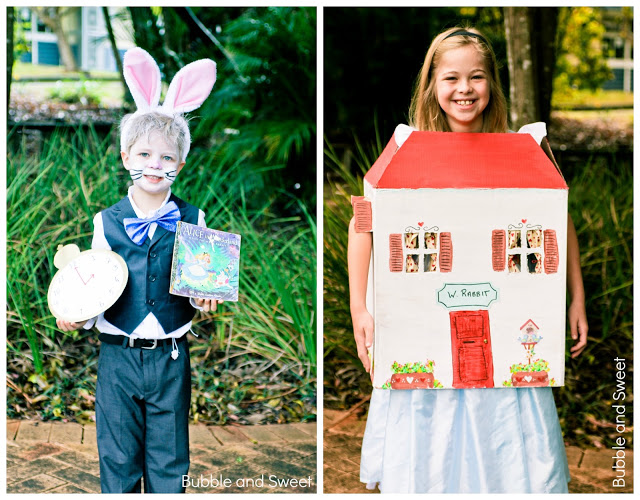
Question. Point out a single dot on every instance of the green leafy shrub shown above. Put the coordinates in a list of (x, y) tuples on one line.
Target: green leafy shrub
[(254, 359), (581, 63), (84, 92)]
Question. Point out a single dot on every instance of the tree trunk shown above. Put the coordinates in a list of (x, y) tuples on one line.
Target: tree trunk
[(522, 87), (531, 55), (66, 54), (116, 55), (543, 51), (10, 22), (52, 18)]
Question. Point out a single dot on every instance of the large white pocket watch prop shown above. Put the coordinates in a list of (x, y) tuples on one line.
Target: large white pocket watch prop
[(87, 283)]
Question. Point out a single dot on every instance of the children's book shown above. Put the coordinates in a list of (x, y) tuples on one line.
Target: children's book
[(206, 263)]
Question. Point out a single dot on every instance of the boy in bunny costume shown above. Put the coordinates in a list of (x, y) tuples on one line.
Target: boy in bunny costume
[(144, 388)]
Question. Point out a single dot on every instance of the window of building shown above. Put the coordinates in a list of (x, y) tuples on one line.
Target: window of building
[(40, 26), (525, 250), (421, 250)]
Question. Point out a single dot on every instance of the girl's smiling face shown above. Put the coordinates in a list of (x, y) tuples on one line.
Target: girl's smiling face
[(462, 88), (152, 163)]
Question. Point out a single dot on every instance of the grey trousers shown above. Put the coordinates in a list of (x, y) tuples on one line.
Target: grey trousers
[(142, 418)]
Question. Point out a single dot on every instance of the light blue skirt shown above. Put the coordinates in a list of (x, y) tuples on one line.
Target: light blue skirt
[(464, 441)]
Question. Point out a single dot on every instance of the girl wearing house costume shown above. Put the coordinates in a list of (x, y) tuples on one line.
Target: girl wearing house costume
[(144, 389), (462, 440)]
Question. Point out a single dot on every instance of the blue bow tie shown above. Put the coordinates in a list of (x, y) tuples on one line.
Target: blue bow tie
[(138, 229)]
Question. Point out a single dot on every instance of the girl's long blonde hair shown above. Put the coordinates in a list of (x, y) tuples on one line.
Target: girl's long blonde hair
[(426, 114)]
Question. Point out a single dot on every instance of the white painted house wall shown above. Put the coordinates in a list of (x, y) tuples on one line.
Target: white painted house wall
[(410, 324)]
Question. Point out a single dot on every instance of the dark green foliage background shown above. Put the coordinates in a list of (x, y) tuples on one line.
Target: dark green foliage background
[(245, 357), (263, 107), (251, 169)]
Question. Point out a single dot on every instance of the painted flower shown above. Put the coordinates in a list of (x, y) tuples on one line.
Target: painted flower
[(416, 367)]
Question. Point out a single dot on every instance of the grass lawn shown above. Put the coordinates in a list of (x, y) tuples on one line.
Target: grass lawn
[(622, 117), (28, 70), (599, 99), (108, 93)]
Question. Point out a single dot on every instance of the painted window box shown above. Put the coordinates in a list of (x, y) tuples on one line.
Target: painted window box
[(534, 373), (530, 379), (413, 380)]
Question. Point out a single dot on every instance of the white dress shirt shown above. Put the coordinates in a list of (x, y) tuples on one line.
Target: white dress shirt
[(150, 328)]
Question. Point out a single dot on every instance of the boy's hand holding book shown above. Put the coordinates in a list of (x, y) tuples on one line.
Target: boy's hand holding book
[(208, 304)]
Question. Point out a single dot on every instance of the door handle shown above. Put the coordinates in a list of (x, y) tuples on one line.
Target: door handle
[(486, 341)]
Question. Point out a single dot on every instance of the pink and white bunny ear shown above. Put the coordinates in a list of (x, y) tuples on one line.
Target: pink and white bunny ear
[(190, 87), (143, 78)]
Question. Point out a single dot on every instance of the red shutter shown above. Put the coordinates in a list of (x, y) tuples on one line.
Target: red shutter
[(446, 253), (396, 259), (498, 249), (551, 256), (362, 213)]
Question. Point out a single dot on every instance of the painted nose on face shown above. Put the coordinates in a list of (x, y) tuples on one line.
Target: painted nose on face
[(155, 164)]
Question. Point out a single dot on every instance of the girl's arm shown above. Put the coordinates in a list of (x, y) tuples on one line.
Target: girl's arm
[(577, 311), (358, 257)]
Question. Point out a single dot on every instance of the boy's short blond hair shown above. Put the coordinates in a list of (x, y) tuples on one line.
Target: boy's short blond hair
[(171, 128)]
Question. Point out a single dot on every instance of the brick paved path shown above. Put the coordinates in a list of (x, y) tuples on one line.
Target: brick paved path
[(63, 457), (591, 469)]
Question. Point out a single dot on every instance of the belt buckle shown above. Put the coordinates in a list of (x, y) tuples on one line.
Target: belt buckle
[(155, 344)]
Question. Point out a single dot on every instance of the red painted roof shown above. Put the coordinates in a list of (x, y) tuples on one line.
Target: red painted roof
[(529, 321), (464, 161)]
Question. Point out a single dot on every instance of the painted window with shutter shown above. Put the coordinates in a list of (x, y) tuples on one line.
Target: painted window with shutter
[(524, 249), (362, 214), (422, 250), (498, 249), (396, 257), (551, 256), (446, 253)]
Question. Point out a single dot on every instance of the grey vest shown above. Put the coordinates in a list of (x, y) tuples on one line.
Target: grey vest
[(149, 264)]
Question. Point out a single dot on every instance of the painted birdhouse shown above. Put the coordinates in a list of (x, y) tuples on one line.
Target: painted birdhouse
[(469, 242), (529, 329)]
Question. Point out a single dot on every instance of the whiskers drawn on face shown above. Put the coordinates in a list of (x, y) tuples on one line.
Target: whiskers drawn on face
[(170, 175)]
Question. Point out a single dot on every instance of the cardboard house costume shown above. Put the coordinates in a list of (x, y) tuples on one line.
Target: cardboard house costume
[(468, 277)]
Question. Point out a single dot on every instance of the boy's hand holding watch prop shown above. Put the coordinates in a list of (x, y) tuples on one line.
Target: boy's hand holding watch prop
[(87, 284)]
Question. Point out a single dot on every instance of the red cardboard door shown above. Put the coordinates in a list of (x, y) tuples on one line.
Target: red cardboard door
[(471, 349)]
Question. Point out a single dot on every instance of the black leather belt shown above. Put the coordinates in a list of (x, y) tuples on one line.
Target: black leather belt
[(125, 341)]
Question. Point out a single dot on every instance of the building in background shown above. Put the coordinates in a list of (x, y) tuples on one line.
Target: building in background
[(618, 48), (86, 32)]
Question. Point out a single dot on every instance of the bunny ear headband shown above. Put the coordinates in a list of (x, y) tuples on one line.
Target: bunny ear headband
[(187, 91)]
